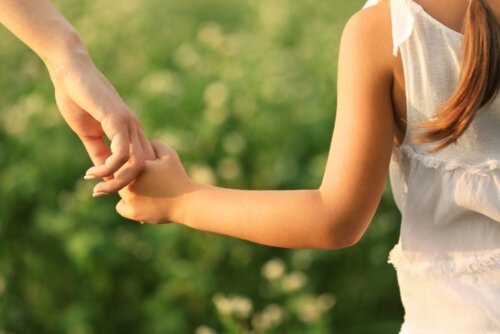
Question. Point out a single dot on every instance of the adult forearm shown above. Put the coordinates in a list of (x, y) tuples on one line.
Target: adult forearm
[(281, 218), (40, 26)]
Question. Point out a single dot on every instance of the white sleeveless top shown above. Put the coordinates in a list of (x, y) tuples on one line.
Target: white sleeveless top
[(448, 255)]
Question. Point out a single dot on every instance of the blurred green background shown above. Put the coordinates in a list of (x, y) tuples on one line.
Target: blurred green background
[(245, 91)]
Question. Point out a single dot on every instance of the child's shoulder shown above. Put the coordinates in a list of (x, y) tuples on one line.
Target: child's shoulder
[(371, 29), (375, 18)]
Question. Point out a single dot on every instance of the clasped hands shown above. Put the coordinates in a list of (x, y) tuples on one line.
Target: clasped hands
[(148, 175)]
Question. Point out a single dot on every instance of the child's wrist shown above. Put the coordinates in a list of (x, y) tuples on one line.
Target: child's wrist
[(181, 209)]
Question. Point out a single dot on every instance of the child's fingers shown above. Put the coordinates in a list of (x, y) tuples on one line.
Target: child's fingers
[(162, 151)]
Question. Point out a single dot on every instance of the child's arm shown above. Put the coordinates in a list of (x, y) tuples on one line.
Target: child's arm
[(333, 216)]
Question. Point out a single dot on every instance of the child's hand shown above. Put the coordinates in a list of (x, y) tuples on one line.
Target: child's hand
[(156, 195)]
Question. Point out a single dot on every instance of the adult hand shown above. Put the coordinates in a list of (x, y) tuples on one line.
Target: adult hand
[(87, 101), (93, 108)]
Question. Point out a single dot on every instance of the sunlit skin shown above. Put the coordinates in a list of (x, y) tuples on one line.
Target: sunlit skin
[(334, 215), (87, 101), (370, 118)]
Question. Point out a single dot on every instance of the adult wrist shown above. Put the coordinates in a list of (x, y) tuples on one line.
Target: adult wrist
[(68, 52)]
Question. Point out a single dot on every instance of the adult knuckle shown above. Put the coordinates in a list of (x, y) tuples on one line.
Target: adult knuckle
[(136, 167), (123, 157), (134, 119), (120, 117)]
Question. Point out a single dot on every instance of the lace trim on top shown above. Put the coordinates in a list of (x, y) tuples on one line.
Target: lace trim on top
[(431, 161), (468, 264)]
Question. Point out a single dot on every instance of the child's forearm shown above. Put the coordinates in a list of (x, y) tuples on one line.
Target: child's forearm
[(41, 27), (281, 218)]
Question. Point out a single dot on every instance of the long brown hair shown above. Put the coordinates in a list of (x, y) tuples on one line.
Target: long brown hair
[(479, 78)]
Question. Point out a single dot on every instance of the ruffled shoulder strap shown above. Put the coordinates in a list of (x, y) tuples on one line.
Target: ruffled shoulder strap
[(402, 21)]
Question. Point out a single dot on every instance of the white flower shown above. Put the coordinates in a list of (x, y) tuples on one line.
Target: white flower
[(161, 82), (240, 306), (233, 142), (186, 56), (216, 94), (311, 307), (273, 269), (271, 316), (308, 310), (294, 281), (204, 330), (326, 301), (222, 304), (201, 173), (228, 169), (211, 35)]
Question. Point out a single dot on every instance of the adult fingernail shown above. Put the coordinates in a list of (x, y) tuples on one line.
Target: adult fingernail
[(99, 194), (89, 177)]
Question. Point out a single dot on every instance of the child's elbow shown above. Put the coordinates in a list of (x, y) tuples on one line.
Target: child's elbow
[(335, 244), (339, 244), (338, 237)]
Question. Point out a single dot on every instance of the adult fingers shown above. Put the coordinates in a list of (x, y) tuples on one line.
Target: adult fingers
[(147, 148), (162, 151), (128, 172), (96, 148), (120, 152), (98, 152)]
